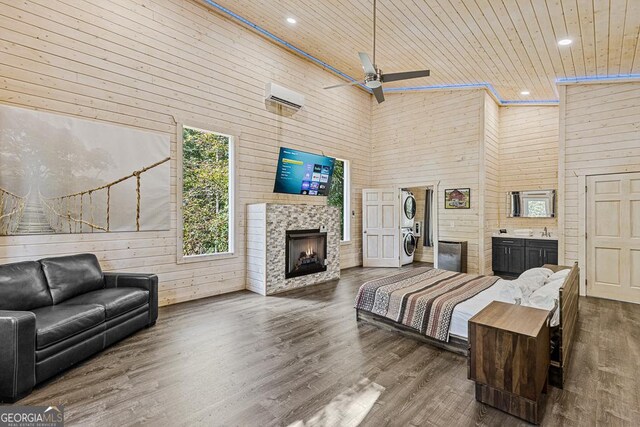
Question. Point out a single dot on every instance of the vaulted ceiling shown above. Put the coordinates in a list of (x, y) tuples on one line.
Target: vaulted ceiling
[(511, 45)]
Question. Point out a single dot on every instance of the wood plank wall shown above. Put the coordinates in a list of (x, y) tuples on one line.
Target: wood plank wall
[(423, 137), (415, 141), (490, 177), (528, 157), (148, 63), (257, 248), (601, 136)]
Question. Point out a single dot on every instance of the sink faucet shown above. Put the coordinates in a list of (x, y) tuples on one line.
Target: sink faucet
[(545, 233)]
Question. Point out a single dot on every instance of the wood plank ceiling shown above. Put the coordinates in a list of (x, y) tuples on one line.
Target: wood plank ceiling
[(509, 44)]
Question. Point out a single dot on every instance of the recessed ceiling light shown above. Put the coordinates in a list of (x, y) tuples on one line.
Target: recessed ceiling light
[(565, 42), (291, 20), (525, 92)]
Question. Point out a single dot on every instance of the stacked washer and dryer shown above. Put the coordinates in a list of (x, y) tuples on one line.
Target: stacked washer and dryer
[(408, 238)]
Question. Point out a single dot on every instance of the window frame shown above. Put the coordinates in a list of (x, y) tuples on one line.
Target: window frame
[(346, 200), (233, 178)]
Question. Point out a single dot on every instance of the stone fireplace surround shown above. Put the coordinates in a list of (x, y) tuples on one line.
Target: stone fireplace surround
[(267, 224)]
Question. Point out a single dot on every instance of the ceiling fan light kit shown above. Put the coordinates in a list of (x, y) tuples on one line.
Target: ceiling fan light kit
[(373, 76)]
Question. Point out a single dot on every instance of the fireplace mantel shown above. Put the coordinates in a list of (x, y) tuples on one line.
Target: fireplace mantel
[(267, 225)]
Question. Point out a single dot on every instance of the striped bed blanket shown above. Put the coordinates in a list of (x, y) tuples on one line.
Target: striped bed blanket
[(421, 298)]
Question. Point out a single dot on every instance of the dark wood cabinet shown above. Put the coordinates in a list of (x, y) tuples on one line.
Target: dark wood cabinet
[(508, 256), (500, 258), (533, 257), (540, 252), (513, 256), (551, 256), (516, 259)]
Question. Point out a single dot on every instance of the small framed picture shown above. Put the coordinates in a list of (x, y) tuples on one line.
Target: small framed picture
[(457, 198)]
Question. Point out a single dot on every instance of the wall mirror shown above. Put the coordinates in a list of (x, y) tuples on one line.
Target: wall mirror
[(531, 204)]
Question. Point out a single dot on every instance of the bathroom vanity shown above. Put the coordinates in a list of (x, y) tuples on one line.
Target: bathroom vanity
[(513, 255)]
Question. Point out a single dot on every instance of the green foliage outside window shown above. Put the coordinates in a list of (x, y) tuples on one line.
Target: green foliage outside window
[(537, 208), (336, 192), (205, 192)]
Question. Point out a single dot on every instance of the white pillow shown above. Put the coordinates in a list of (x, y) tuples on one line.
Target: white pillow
[(560, 275), (532, 279), (538, 272), (546, 296)]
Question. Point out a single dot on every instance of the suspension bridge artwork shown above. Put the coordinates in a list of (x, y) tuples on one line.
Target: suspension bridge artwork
[(60, 174)]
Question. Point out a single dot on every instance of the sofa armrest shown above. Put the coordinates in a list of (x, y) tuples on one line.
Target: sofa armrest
[(17, 354), (148, 282)]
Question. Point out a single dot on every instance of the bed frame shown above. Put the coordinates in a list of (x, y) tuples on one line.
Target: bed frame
[(566, 330), (456, 344)]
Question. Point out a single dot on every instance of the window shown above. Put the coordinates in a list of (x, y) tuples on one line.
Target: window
[(206, 193), (340, 196)]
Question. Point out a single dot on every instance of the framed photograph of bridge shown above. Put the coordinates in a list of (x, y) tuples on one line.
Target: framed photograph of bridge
[(60, 174)]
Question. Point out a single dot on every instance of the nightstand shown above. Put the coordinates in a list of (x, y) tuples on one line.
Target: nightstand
[(509, 358)]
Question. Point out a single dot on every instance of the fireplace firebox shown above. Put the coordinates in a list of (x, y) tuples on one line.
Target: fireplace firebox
[(306, 252)]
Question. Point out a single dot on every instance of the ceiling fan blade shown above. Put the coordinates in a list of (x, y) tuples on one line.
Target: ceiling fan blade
[(392, 77), (344, 84), (377, 92), (367, 65)]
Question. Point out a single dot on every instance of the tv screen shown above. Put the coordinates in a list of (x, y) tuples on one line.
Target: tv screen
[(303, 173)]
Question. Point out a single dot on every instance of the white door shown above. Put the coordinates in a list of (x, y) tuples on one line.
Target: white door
[(381, 228), (613, 237)]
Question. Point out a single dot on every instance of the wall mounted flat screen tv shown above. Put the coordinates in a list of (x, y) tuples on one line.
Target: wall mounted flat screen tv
[(303, 173)]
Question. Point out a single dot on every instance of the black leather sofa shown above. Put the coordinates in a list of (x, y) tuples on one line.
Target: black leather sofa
[(58, 311)]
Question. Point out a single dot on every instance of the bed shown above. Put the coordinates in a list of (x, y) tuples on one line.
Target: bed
[(435, 306)]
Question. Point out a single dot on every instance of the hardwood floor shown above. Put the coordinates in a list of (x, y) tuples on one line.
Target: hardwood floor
[(243, 359)]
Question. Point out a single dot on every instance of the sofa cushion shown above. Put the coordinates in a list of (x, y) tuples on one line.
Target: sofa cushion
[(56, 323), (73, 275), (23, 286), (116, 301)]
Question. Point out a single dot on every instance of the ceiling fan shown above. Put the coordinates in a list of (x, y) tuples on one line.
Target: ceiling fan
[(373, 76)]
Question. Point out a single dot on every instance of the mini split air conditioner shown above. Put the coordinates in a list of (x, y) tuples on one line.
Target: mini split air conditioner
[(282, 95)]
